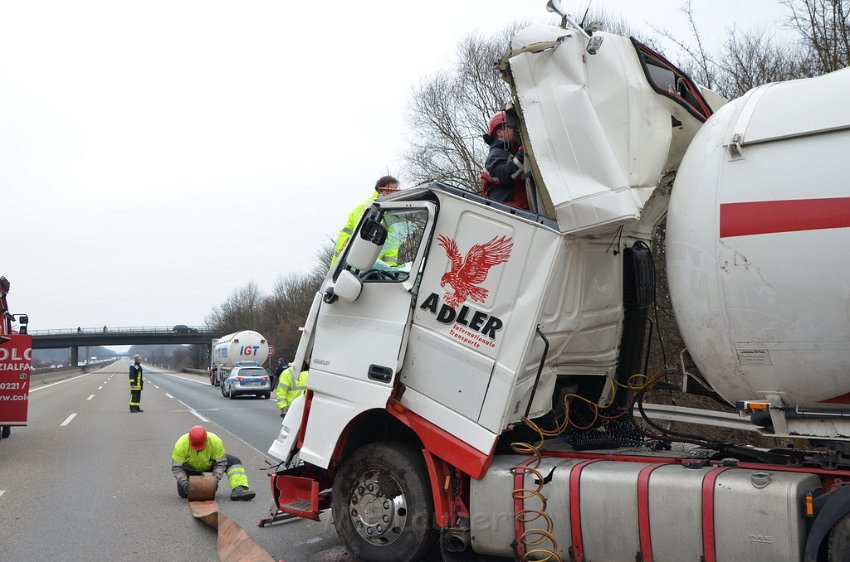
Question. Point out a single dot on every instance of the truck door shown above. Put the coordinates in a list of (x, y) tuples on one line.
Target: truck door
[(360, 343)]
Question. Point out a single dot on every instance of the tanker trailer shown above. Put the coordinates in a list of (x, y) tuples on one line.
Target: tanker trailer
[(757, 236), (232, 349)]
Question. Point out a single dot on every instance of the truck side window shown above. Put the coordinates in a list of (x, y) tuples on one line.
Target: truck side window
[(404, 234)]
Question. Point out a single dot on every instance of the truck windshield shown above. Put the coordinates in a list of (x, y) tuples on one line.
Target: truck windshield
[(404, 234)]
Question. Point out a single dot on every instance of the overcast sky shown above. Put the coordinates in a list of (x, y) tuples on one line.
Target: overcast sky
[(155, 156)]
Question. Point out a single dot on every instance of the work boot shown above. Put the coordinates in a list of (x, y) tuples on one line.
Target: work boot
[(242, 493), (139, 410)]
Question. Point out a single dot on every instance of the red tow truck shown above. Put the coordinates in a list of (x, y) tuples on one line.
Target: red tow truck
[(15, 365)]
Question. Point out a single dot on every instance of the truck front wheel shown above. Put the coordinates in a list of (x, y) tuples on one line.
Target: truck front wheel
[(382, 505), (6, 431)]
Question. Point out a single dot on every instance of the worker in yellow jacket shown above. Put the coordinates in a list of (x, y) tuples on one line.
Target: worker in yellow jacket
[(288, 390), (201, 451), (384, 186)]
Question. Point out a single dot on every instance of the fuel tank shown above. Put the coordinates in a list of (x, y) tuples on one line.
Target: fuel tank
[(621, 511), (758, 234)]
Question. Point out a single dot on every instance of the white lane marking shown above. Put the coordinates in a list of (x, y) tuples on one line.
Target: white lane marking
[(2, 492), (90, 397), (68, 420), (188, 406), (155, 386), (55, 383), (169, 395), (199, 416), (194, 380), (100, 388)]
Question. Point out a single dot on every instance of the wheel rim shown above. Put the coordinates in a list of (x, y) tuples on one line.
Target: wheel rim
[(378, 508)]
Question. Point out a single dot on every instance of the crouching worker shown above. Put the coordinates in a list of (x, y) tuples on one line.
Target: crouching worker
[(200, 451)]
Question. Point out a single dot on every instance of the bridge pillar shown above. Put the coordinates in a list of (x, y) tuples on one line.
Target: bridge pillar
[(75, 355), (201, 355)]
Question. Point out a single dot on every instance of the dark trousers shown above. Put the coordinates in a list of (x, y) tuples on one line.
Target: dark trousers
[(135, 400)]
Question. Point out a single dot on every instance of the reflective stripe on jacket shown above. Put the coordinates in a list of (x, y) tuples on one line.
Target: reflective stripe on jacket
[(136, 377), (287, 391)]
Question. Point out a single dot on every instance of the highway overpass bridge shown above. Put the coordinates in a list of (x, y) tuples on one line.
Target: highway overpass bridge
[(75, 338)]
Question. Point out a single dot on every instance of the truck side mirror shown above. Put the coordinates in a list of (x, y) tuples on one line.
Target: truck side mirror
[(23, 321), (347, 288), (367, 244)]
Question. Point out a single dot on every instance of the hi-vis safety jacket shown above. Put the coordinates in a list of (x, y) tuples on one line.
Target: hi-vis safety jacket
[(348, 229), (210, 458), (389, 254), (287, 390), (136, 377)]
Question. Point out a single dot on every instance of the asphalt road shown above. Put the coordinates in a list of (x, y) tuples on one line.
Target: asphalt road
[(88, 480)]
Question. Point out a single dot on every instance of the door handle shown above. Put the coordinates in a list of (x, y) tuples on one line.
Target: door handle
[(380, 373)]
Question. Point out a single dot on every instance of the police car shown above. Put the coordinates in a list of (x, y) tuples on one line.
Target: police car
[(247, 378)]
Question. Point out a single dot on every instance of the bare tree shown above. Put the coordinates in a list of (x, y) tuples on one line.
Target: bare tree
[(241, 311), (749, 59), (277, 316), (450, 111), (824, 28)]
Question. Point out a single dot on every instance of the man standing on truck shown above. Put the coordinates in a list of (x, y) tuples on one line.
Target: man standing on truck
[(136, 384), (502, 176), (200, 451), (288, 390), (384, 186)]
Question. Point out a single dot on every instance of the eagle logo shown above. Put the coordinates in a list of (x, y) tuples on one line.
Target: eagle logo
[(468, 272)]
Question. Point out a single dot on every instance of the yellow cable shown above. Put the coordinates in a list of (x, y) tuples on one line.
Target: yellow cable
[(534, 537)]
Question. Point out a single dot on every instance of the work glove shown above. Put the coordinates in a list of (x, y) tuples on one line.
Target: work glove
[(184, 487)]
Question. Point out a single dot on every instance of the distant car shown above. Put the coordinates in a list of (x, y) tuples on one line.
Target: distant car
[(184, 329), (247, 380)]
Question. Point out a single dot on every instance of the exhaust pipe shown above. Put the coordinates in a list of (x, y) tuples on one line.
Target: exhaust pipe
[(456, 540)]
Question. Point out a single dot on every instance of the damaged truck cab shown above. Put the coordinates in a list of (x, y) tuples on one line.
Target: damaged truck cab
[(422, 374)]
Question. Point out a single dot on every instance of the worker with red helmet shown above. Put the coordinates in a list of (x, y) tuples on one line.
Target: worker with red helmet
[(503, 169), (201, 451)]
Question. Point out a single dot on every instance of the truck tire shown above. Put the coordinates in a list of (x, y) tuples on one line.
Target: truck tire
[(6, 431), (838, 545), (382, 504)]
